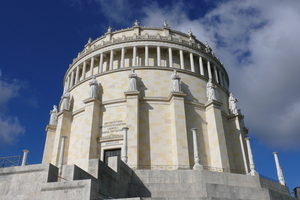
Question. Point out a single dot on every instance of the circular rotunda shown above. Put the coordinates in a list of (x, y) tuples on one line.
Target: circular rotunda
[(156, 97)]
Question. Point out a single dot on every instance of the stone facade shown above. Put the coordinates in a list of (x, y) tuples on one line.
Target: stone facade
[(159, 119)]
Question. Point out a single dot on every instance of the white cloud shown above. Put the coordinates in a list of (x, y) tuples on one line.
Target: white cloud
[(258, 43), (10, 127)]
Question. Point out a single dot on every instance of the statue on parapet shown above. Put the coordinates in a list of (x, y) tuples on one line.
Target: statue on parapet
[(190, 33), (136, 23), (165, 24), (53, 116), (132, 85), (210, 90), (93, 88), (175, 82), (65, 105), (207, 48), (232, 104)]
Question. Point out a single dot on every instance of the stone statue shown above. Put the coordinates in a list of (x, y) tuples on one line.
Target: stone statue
[(210, 90), (165, 24), (65, 101), (132, 86), (175, 82), (53, 116), (207, 48), (190, 33), (136, 23), (232, 104), (109, 29), (93, 88)]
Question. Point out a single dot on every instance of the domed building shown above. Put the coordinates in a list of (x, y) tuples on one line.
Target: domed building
[(153, 81), (146, 113)]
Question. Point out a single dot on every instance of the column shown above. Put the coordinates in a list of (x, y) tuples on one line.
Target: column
[(122, 57), (251, 161), (181, 59), (197, 164), (111, 61), (134, 56), (216, 135), (192, 62), (221, 78), (83, 70), (92, 66), (146, 55), (24, 157), (209, 70), (72, 79), (61, 154), (178, 130), (101, 63), (158, 56), (124, 156), (132, 122), (77, 75), (216, 74), (170, 57), (279, 169), (67, 84), (201, 66)]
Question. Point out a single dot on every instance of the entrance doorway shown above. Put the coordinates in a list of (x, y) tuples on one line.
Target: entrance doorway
[(111, 153)]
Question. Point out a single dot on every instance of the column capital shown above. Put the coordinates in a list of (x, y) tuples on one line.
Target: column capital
[(247, 138), (125, 128), (132, 93), (214, 103), (194, 129), (25, 151), (63, 136), (90, 100), (51, 127), (275, 152)]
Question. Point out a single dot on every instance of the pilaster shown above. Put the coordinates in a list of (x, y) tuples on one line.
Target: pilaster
[(90, 130), (179, 132), (63, 129), (216, 135), (237, 138), (49, 144), (132, 122)]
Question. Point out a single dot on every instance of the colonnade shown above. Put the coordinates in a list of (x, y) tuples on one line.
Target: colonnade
[(134, 56)]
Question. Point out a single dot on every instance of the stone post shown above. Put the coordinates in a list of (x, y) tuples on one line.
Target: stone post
[(24, 157), (279, 169), (196, 152), (61, 154), (124, 156), (251, 161)]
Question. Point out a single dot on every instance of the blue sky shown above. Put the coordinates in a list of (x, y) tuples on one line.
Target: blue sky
[(257, 41)]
